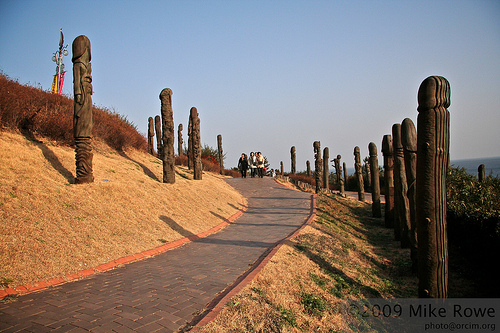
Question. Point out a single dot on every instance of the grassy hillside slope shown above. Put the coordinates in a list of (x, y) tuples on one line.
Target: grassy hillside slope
[(51, 227)]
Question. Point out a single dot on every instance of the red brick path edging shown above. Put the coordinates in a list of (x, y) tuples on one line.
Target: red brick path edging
[(37, 286), (216, 306)]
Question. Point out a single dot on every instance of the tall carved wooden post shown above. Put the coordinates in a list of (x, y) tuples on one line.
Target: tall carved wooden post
[(190, 143), (221, 154), (158, 136), (401, 204), (409, 141), (326, 168), (281, 168), (308, 169), (293, 157), (368, 174), (196, 143), (359, 174), (344, 167), (481, 174), (317, 165), (376, 206), (389, 180), (180, 140), (338, 173), (433, 141), (82, 116), (167, 119), (151, 135)]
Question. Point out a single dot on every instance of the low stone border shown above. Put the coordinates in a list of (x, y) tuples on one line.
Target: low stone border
[(216, 306), (38, 286)]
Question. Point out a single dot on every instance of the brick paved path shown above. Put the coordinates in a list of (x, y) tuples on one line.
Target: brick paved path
[(165, 292)]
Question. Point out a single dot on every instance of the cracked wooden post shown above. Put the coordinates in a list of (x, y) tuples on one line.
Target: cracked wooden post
[(82, 116), (433, 141), (409, 141), (376, 205), (359, 174), (221, 154), (196, 144), (401, 203), (326, 168), (180, 140), (308, 169), (481, 174), (293, 158), (317, 165), (151, 135), (158, 136), (167, 118), (389, 180)]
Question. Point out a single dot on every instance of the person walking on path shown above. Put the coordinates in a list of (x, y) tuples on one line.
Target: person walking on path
[(243, 165), (252, 163), (260, 164)]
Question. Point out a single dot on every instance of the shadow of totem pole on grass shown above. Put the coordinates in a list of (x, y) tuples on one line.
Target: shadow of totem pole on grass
[(433, 141), (82, 117), (168, 153)]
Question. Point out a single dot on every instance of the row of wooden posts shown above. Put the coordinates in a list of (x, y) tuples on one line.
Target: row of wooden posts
[(415, 167), (164, 128)]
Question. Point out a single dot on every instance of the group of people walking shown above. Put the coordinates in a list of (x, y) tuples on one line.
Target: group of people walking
[(255, 162)]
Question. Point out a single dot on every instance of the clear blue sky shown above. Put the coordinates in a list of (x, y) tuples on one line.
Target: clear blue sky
[(269, 75)]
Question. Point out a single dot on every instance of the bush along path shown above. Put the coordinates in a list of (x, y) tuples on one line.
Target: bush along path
[(171, 291)]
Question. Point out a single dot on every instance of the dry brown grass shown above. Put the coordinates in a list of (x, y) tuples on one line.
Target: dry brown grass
[(51, 227), (345, 254)]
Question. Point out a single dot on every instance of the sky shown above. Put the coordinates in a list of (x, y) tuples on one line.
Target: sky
[(269, 75)]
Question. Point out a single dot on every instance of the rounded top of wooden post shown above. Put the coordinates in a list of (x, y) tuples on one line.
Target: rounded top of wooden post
[(408, 135), (357, 150), (316, 144), (180, 127), (387, 145), (79, 46), (434, 92), (292, 150), (193, 112), (372, 148), (396, 136), (166, 93), (339, 157)]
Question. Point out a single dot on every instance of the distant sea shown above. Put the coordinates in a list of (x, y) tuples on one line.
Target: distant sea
[(491, 165)]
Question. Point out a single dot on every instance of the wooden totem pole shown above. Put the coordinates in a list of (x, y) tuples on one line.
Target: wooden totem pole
[(158, 136), (221, 154), (481, 174), (368, 174), (389, 180), (344, 167), (82, 117), (376, 205), (180, 141), (282, 172), (308, 169), (317, 165), (359, 174), (338, 172), (409, 141), (293, 157), (167, 118), (433, 141), (401, 204), (195, 139), (326, 168), (151, 135)]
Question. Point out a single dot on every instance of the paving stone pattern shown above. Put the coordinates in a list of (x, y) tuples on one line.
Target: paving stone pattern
[(166, 292)]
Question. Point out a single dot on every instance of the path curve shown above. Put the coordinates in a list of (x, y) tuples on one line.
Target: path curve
[(167, 292)]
